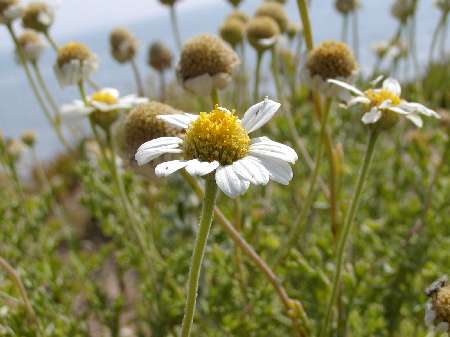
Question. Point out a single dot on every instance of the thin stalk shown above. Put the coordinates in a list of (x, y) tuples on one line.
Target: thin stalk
[(162, 86), (215, 97), (259, 56), (298, 225), (137, 77), (355, 22), (346, 230), (51, 41), (237, 251), (45, 89), (175, 27), (209, 201), (344, 32), (307, 30), (35, 89), (9, 270), (444, 36), (248, 250)]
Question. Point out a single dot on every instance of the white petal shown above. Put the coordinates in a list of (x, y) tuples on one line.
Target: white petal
[(251, 169), (347, 86), (376, 80), (264, 147), (259, 114), (74, 111), (398, 110), (415, 119), (133, 100), (385, 104), (392, 85), (200, 168), (372, 116), (156, 148), (169, 167), (111, 91), (201, 85), (229, 182), (419, 108), (358, 100), (179, 120), (279, 170)]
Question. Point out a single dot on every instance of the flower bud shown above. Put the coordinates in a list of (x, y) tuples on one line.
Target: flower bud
[(159, 56), (32, 45), (262, 33), (29, 138), (123, 45), (232, 31), (275, 11), (38, 16)]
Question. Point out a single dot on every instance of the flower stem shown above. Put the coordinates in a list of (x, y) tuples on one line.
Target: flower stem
[(344, 235), (215, 97), (259, 56), (344, 33), (257, 260), (9, 270), (307, 30), (162, 86), (355, 24), (51, 41), (175, 28), (209, 201), (35, 89), (45, 89), (137, 78)]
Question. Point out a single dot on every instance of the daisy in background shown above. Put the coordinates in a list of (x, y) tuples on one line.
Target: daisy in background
[(385, 105), (102, 106), (219, 142)]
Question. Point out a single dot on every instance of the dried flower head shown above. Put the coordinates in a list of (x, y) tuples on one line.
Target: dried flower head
[(437, 310), (75, 63), (28, 138), (402, 10), (239, 15), (262, 33), (38, 16), (32, 45), (123, 45), (142, 125), (329, 60), (14, 148), (232, 31), (275, 11), (159, 56), (10, 10), (346, 6), (206, 64)]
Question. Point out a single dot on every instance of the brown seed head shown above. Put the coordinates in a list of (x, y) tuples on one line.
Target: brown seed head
[(275, 11), (159, 56), (261, 28), (38, 16), (123, 45)]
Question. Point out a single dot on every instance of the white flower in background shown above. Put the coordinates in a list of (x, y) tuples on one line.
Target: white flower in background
[(219, 142), (10, 10), (75, 63), (437, 309), (32, 46), (329, 60), (385, 105), (103, 106)]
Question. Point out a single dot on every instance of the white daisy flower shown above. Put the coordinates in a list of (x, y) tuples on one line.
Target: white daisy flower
[(32, 46), (10, 10), (385, 104), (437, 309), (103, 106), (219, 142), (75, 63)]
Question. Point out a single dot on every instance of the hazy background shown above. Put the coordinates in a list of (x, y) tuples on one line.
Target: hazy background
[(90, 21)]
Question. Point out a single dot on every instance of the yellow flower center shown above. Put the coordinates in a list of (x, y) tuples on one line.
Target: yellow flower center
[(217, 135), (377, 97), (104, 97)]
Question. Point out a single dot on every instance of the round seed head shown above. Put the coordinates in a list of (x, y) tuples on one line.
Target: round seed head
[(232, 31), (38, 16), (4, 4), (235, 3), (31, 44), (10, 10), (275, 11), (216, 136), (402, 9), (346, 6), (330, 60), (293, 29), (29, 138), (441, 303), (262, 32), (159, 56), (123, 45), (239, 15), (142, 125), (73, 51)]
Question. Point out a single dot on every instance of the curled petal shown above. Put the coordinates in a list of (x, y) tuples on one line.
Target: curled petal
[(347, 86), (259, 114)]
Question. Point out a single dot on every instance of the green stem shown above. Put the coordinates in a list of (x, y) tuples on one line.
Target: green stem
[(137, 78), (45, 89), (259, 56), (209, 201), (355, 22), (307, 30), (215, 97), (297, 227), (175, 28), (346, 230), (51, 41), (344, 33)]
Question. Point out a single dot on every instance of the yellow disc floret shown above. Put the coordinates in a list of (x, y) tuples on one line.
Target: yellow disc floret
[(73, 51), (104, 96), (104, 117), (217, 135), (377, 97)]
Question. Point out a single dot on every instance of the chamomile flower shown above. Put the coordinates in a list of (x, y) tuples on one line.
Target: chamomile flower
[(218, 142), (32, 46), (103, 107), (384, 105), (38, 16), (10, 10), (437, 309), (75, 63)]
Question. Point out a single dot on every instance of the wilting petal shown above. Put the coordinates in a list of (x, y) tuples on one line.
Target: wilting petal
[(259, 114), (372, 116), (264, 147), (419, 108), (358, 100), (200, 168), (347, 86), (230, 182), (251, 169)]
